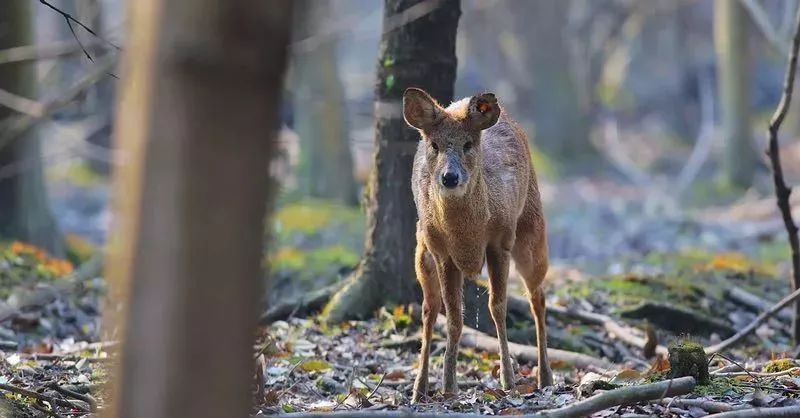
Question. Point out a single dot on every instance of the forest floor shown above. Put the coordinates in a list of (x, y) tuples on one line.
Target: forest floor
[(637, 258)]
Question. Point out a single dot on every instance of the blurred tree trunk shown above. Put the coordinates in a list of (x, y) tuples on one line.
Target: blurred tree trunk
[(419, 53), (99, 101), (326, 164), (731, 43), (24, 207), (561, 124), (197, 124)]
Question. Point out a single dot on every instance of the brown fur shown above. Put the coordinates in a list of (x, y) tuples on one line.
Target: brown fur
[(495, 217)]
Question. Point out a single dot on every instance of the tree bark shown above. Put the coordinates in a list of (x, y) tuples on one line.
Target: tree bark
[(100, 98), (326, 164), (24, 208), (561, 124), (419, 53), (197, 124), (733, 74)]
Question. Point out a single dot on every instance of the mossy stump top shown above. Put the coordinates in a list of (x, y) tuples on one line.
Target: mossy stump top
[(689, 359)]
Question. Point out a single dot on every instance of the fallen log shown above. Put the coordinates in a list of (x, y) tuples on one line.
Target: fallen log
[(617, 397), (473, 338), (704, 404)]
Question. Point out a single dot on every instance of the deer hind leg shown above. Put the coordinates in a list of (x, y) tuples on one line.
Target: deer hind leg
[(432, 301), (530, 257), (452, 291), (497, 261)]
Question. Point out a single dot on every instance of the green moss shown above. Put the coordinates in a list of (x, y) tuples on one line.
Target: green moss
[(719, 386), (780, 365), (688, 358)]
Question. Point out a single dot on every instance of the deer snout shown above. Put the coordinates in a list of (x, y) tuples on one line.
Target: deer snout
[(450, 179)]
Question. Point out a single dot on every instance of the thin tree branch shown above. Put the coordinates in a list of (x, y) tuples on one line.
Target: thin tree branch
[(21, 104), (761, 20), (70, 19), (16, 126), (40, 52), (782, 191)]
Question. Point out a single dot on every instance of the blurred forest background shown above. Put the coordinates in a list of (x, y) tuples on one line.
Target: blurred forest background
[(647, 122)]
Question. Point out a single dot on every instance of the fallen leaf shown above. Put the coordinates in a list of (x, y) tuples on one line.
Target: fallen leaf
[(626, 376), (525, 389), (272, 397), (395, 374), (511, 411), (314, 365)]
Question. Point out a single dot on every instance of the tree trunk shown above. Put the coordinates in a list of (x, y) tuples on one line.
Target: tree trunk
[(99, 100), (24, 208), (197, 125), (730, 39), (419, 53), (326, 164), (561, 125)]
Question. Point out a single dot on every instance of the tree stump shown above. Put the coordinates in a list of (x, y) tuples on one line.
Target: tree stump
[(689, 359)]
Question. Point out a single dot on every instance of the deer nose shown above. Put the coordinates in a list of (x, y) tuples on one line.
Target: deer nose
[(450, 180)]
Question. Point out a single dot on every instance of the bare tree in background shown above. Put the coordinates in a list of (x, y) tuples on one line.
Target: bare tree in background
[(731, 42), (24, 207), (326, 164), (100, 98), (201, 84), (419, 53)]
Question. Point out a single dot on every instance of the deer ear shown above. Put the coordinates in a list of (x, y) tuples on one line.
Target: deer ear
[(420, 110), (483, 111)]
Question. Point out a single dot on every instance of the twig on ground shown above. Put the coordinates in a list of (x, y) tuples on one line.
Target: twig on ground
[(48, 412), (373, 391), (704, 404), (744, 370), (623, 396), (622, 332), (92, 402), (716, 348), (473, 338), (793, 370), (786, 411), (782, 192), (39, 397)]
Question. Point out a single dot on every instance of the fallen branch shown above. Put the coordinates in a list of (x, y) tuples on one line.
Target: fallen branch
[(39, 397), (704, 404), (786, 411), (758, 374), (754, 302), (618, 397), (473, 338), (622, 332), (753, 325), (782, 192)]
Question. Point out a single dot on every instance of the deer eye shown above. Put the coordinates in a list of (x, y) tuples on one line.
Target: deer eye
[(435, 146), (468, 146)]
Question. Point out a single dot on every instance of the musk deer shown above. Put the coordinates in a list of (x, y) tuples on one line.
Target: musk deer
[(477, 199)]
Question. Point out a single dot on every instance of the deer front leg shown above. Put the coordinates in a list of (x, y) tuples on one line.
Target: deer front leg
[(452, 292), (431, 304), (497, 261)]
